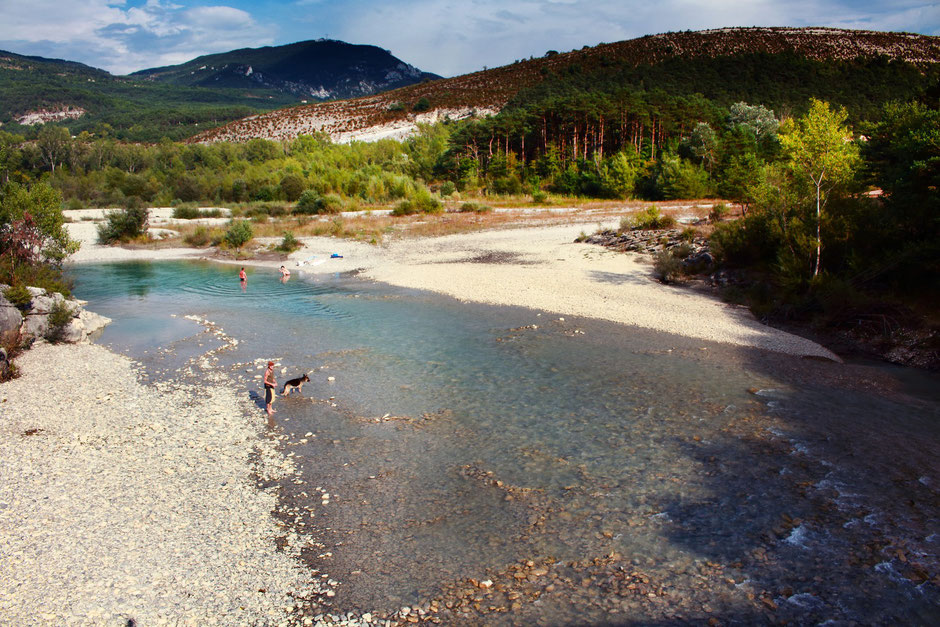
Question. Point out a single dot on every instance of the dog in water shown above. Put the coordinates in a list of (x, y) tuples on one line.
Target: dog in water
[(295, 384)]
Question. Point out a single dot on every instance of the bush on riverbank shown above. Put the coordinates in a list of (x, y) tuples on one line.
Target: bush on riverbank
[(59, 317), (289, 244), (238, 234), (650, 219), (124, 225)]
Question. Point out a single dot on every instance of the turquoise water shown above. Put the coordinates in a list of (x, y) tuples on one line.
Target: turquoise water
[(458, 440)]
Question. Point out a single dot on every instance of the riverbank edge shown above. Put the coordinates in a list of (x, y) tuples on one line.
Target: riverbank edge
[(538, 267)]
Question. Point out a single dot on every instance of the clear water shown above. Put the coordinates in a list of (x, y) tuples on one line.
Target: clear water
[(458, 442)]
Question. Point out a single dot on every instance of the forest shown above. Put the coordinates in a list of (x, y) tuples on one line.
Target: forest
[(808, 237)]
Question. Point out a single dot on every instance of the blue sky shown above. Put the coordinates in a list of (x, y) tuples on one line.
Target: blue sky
[(448, 37)]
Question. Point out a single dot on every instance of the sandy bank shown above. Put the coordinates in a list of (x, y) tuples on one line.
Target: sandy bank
[(123, 503)]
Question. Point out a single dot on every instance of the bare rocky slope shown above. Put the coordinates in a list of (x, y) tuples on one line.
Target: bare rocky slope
[(395, 113)]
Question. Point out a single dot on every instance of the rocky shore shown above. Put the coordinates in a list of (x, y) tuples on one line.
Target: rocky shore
[(125, 503), (31, 320)]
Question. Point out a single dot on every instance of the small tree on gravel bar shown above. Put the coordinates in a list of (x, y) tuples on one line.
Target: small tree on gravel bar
[(238, 234)]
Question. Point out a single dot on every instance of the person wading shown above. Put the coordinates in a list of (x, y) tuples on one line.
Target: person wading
[(269, 385)]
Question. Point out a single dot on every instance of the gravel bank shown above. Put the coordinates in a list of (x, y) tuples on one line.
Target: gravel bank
[(537, 267), (543, 268), (121, 501)]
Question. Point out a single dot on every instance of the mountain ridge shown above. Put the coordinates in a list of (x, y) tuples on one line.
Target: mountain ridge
[(394, 113), (318, 69)]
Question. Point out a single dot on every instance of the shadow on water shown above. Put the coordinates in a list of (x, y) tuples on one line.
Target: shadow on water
[(828, 509), (500, 466)]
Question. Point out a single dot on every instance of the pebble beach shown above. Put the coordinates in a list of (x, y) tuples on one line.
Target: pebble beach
[(126, 503)]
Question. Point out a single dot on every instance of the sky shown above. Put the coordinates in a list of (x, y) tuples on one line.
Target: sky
[(447, 37)]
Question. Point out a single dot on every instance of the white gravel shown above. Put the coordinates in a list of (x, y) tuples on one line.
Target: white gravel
[(551, 273), (121, 501)]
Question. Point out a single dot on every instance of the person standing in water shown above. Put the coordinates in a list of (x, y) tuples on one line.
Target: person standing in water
[(242, 276), (269, 385)]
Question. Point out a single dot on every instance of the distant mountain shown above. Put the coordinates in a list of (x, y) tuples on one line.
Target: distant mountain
[(179, 101), (38, 90), (323, 70), (774, 66)]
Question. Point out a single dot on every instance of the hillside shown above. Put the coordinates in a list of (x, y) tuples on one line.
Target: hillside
[(321, 70), (824, 57), (37, 90)]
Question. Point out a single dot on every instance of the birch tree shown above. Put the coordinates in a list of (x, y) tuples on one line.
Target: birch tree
[(820, 150)]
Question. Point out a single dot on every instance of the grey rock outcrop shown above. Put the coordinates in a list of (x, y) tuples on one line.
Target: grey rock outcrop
[(10, 318), (33, 321)]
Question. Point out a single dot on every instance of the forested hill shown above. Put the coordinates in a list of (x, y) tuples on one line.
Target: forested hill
[(37, 90), (777, 67), (179, 101), (320, 70)]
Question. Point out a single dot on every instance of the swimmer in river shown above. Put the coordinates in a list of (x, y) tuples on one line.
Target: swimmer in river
[(285, 274), (242, 276)]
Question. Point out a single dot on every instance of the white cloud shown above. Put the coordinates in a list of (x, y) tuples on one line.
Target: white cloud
[(122, 39), (451, 37)]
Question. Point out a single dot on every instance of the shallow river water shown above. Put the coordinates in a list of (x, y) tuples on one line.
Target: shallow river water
[(494, 465)]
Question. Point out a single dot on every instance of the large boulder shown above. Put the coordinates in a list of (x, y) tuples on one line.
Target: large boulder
[(10, 318), (34, 322)]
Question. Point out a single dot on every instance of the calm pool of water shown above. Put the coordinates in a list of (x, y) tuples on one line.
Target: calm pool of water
[(461, 441)]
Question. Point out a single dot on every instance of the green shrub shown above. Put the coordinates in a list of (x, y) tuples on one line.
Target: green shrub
[(312, 203), (123, 225), (667, 267), (539, 197), (289, 244), (18, 295), (688, 234), (718, 212), (45, 276), (681, 251), (266, 193), (421, 202), (199, 238), (292, 186), (751, 241), (647, 220), (331, 203), (475, 207), (186, 212), (423, 104), (59, 316), (448, 188), (238, 234)]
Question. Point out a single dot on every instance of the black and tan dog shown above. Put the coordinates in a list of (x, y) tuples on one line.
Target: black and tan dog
[(295, 384)]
